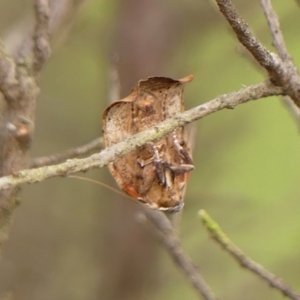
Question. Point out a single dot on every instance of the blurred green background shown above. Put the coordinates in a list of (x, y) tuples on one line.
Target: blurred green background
[(75, 240)]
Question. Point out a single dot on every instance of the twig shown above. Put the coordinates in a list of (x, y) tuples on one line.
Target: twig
[(41, 45), (283, 53), (274, 26), (96, 144), (220, 237), (240, 48), (114, 80), (62, 13), (245, 36), (107, 155), (279, 44), (165, 232), (293, 109), (283, 75), (278, 41), (20, 91)]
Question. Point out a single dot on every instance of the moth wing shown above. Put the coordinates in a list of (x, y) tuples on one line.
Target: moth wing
[(117, 120)]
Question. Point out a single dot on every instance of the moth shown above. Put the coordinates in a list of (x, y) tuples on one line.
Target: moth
[(156, 174)]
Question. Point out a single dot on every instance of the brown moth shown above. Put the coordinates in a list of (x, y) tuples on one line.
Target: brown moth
[(156, 173)]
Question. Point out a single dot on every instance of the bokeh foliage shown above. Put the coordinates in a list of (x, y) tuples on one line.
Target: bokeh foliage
[(246, 160)]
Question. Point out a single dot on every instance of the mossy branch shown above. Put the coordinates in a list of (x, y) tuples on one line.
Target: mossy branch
[(107, 155)]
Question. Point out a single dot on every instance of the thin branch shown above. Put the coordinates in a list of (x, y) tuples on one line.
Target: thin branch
[(170, 239), (114, 80), (107, 155), (20, 90), (278, 41), (9, 77), (240, 48), (293, 109), (245, 36), (221, 238), (283, 75), (62, 14), (41, 42), (96, 144), (274, 26)]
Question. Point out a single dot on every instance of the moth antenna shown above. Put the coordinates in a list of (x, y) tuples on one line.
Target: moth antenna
[(101, 184)]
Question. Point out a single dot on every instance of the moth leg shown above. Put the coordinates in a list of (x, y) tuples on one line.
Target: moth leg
[(169, 178), (180, 169), (148, 161), (159, 166), (158, 163), (181, 150)]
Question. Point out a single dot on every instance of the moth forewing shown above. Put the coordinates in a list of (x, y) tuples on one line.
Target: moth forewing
[(116, 122), (117, 127), (155, 173)]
